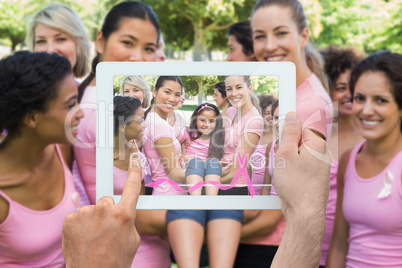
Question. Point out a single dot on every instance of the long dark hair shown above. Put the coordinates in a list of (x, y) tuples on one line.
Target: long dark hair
[(386, 62), (216, 142), (111, 24), (244, 36), (159, 83)]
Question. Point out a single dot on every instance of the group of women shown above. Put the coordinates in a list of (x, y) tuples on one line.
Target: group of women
[(43, 110)]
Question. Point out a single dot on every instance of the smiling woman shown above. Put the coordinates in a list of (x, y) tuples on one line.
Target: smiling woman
[(58, 29), (38, 109)]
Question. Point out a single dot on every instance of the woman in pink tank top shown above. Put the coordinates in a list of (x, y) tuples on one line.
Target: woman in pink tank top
[(38, 109), (368, 222), (345, 134)]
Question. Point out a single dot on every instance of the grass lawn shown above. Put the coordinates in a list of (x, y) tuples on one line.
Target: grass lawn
[(188, 107)]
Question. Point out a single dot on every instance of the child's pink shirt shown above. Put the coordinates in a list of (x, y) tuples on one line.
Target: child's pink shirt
[(197, 148)]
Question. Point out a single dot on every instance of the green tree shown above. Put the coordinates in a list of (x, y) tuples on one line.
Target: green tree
[(200, 85)]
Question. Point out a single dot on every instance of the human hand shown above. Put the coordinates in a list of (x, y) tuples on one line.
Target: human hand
[(186, 143), (104, 235), (226, 167), (303, 182)]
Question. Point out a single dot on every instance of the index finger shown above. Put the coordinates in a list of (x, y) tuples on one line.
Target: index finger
[(131, 190)]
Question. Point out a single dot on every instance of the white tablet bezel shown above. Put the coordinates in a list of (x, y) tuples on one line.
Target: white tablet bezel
[(105, 71)]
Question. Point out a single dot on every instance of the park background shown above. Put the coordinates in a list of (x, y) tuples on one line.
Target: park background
[(196, 30)]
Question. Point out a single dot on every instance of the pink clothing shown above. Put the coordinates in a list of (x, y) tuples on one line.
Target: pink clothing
[(314, 106), (197, 148), (154, 252), (251, 122), (375, 234), (330, 214), (85, 146), (32, 238), (79, 186), (273, 239), (271, 157), (119, 179), (159, 128), (258, 165)]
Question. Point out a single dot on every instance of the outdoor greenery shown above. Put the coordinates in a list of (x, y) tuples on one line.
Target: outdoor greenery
[(202, 86), (201, 25)]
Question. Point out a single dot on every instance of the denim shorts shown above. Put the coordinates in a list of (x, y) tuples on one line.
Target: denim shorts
[(198, 167), (204, 216)]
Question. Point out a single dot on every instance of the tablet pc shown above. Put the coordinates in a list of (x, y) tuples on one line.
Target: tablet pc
[(108, 71)]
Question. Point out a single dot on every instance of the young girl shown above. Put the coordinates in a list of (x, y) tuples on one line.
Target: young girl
[(367, 231), (205, 145)]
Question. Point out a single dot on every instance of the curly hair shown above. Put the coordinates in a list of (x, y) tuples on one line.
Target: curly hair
[(28, 81), (124, 108), (266, 100), (338, 61)]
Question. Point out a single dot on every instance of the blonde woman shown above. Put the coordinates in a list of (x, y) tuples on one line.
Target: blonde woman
[(136, 86)]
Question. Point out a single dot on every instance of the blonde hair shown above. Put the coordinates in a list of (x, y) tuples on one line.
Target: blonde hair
[(64, 19), (137, 81), (314, 59)]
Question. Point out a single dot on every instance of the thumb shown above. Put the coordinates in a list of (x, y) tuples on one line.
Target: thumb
[(291, 135)]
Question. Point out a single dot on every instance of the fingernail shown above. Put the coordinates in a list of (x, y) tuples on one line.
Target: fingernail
[(291, 118)]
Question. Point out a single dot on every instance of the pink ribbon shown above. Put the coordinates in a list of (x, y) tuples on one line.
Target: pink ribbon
[(241, 170)]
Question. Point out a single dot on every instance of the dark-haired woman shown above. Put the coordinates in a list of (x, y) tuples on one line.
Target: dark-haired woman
[(130, 32), (368, 218), (345, 133), (39, 110), (240, 42)]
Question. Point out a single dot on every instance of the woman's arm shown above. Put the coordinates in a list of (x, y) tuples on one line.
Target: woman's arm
[(170, 160), (339, 242), (151, 222), (247, 144), (264, 224)]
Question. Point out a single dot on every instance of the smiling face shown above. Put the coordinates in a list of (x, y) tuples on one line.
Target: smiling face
[(236, 51), (60, 122), (374, 107), (167, 97), (237, 91), (135, 40), (341, 94), (267, 116), (134, 130), (275, 120), (206, 122), (276, 36), (133, 91), (50, 40)]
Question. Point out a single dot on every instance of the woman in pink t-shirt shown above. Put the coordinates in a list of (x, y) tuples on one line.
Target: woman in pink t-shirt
[(280, 33), (345, 133), (368, 218), (130, 32), (39, 110)]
